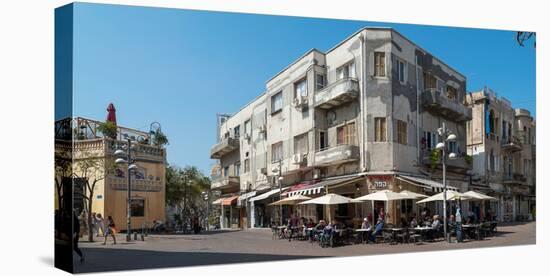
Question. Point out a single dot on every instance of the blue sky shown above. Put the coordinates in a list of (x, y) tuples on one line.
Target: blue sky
[(181, 67)]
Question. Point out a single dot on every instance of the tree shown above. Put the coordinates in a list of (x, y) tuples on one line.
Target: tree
[(90, 169), (184, 190)]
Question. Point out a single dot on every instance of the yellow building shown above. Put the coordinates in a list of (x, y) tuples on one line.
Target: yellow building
[(92, 157)]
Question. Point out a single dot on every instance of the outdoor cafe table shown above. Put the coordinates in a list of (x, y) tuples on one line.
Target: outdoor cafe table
[(423, 230), (394, 232), (470, 230), (361, 232)]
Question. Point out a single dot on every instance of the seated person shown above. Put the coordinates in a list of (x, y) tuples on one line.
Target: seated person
[(377, 229), (413, 223), (404, 223), (366, 224)]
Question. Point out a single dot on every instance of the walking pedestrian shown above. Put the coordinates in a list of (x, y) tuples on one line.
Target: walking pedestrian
[(110, 229), (100, 224), (76, 236)]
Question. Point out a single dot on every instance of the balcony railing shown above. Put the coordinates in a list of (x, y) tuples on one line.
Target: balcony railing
[(337, 93), (511, 144), (514, 178), (225, 182), (459, 163), (146, 185), (435, 101), (336, 155), (142, 152), (224, 147)]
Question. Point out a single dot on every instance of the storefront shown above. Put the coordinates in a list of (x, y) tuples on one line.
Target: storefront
[(261, 214)]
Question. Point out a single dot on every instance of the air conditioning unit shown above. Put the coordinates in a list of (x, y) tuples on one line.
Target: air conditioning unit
[(297, 158), (246, 136), (300, 102), (262, 128), (263, 171)]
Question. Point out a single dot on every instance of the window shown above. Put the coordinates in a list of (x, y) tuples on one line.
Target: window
[(300, 88), (277, 102), (247, 128), (380, 64), (301, 144), (247, 165), (137, 207), (346, 71), (237, 168), (320, 81), (451, 92), (401, 71), (525, 135), (323, 142), (345, 135), (226, 171), (453, 146), (401, 132), (237, 131), (380, 129), (504, 131), (430, 82), (277, 152), (430, 140)]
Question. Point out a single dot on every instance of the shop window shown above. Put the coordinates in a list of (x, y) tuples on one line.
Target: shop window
[(137, 207)]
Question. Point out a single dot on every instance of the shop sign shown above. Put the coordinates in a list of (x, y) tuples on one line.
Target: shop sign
[(380, 181)]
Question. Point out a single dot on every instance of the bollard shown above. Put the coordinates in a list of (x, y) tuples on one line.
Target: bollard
[(135, 236), (142, 237)]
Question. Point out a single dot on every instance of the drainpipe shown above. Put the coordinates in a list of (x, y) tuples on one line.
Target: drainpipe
[(418, 99), (363, 106)]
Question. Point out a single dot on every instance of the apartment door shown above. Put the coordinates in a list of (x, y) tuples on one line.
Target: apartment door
[(323, 140)]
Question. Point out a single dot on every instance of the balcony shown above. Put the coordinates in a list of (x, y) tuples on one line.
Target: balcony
[(224, 147), (516, 178), (336, 155), (511, 144), (433, 100), (459, 164), (337, 93), (225, 183)]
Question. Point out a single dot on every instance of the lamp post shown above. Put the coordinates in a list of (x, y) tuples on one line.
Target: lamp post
[(206, 197), (125, 157), (445, 136)]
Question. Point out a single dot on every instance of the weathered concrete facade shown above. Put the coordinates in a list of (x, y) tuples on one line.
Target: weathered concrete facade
[(501, 141), (366, 109)]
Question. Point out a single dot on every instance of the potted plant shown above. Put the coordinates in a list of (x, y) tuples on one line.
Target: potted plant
[(109, 129)]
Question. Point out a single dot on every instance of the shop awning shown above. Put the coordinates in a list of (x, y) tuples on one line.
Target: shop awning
[(426, 183), (230, 200), (218, 201), (317, 187), (245, 196), (266, 195)]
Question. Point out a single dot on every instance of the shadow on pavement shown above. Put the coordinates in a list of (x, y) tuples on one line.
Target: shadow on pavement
[(100, 260)]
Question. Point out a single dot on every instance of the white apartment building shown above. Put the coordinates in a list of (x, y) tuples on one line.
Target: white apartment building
[(358, 118)]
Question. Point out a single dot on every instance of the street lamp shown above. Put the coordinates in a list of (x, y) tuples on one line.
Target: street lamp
[(206, 197), (125, 157), (445, 136)]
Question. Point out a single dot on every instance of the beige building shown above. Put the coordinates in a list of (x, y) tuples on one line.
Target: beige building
[(360, 117), (501, 141), (79, 141)]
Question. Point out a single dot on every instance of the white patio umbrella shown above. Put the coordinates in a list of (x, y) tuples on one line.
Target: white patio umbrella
[(481, 197), (330, 199), (384, 195), (413, 194), (291, 200), (450, 196)]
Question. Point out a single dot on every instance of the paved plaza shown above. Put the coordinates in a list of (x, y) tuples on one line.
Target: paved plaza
[(256, 245)]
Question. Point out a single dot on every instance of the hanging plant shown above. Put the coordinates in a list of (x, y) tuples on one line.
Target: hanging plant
[(434, 158), (468, 159)]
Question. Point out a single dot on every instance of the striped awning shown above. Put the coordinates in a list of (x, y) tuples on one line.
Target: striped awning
[(230, 200), (244, 197), (266, 195), (425, 183), (319, 186)]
